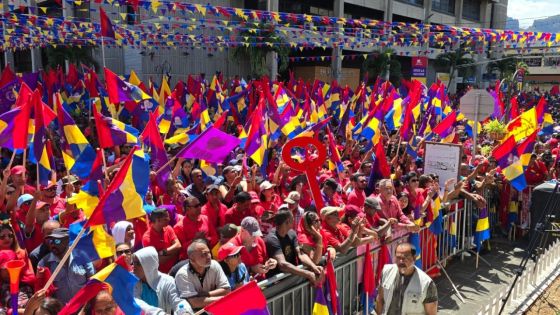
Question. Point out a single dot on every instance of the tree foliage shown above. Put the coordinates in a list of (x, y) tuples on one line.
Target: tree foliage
[(76, 55), (259, 42), (376, 65)]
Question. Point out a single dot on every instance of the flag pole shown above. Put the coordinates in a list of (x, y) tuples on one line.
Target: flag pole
[(103, 50), (24, 166), (12, 159), (104, 163), (64, 259)]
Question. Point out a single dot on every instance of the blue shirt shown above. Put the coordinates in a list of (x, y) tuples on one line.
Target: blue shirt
[(239, 276), (71, 278)]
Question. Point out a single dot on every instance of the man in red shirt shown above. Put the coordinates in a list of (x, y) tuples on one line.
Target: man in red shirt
[(536, 171), (161, 236), (241, 209), (358, 196), (390, 207), (214, 209), (49, 196), (37, 215), (340, 236), (194, 225), (253, 254), (20, 179)]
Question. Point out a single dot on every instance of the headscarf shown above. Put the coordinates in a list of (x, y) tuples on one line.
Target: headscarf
[(119, 231)]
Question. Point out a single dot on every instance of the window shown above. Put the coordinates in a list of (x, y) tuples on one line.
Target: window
[(445, 6), (415, 2), (471, 9)]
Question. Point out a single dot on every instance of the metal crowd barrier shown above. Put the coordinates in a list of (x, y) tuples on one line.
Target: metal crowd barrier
[(292, 295)]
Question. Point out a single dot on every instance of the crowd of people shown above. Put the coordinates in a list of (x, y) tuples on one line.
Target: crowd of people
[(204, 235)]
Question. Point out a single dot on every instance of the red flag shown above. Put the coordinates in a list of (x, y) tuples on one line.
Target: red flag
[(332, 296), (383, 258), (221, 120), (254, 302), (514, 108), (21, 121), (381, 167), (443, 129), (369, 280), (7, 76), (106, 25)]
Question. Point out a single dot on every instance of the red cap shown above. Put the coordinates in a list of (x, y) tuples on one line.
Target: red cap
[(227, 250), (40, 204), (323, 178), (353, 211), (17, 170)]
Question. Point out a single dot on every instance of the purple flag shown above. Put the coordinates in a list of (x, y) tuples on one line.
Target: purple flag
[(31, 79), (7, 96), (212, 146)]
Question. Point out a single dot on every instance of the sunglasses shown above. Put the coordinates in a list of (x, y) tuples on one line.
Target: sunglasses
[(54, 241), (5, 236), (51, 189), (125, 251), (414, 180)]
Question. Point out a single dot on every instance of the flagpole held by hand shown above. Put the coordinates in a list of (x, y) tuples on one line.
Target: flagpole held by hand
[(64, 259)]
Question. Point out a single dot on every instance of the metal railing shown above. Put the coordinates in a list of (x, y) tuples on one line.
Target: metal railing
[(292, 295)]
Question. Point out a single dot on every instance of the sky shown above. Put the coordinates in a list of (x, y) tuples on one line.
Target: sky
[(528, 10)]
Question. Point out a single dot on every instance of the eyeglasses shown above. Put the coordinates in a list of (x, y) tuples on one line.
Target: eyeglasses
[(54, 241), (5, 236), (124, 251)]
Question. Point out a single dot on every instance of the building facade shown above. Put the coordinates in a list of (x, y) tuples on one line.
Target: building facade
[(180, 62)]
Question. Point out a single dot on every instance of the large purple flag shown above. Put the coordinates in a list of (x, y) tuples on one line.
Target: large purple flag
[(213, 145)]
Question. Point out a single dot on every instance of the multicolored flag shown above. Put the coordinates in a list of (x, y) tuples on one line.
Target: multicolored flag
[(122, 283), (158, 155), (122, 91), (320, 304), (82, 153), (482, 230), (124, 198), (14, 125), (111, 132), (94, 244)]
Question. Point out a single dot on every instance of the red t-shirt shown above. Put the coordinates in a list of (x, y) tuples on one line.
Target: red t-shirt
[(235, 216), (35, 239), (216, 217), (357, 198), (187, 230), (257, 254), (160, 241), (57, 206), (373, 220), (335, 236)]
